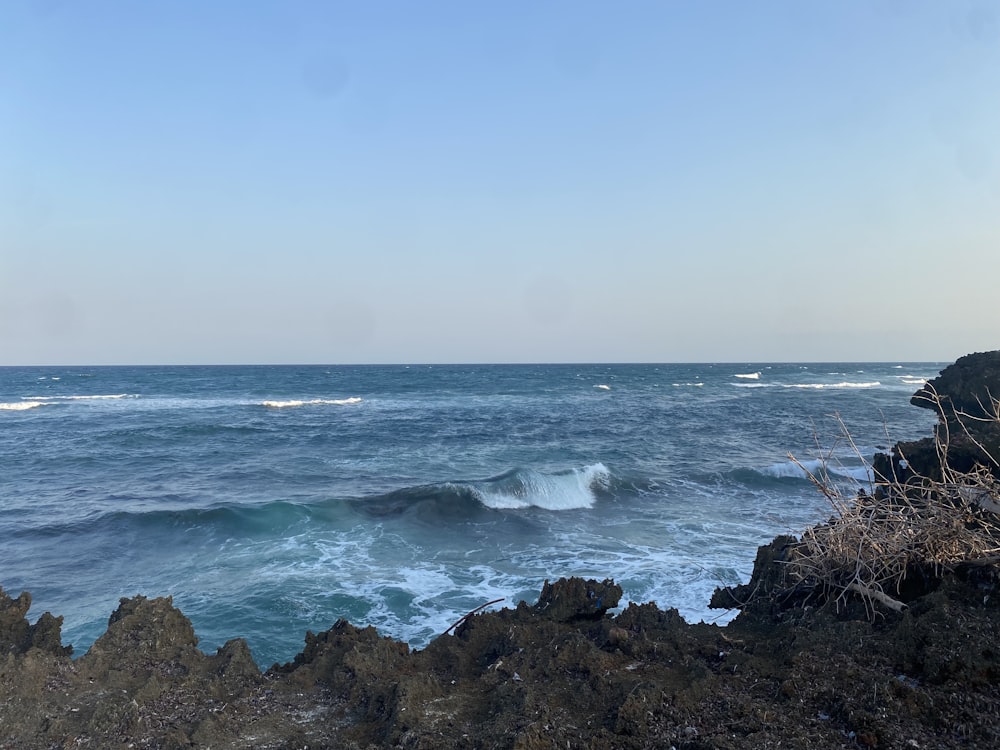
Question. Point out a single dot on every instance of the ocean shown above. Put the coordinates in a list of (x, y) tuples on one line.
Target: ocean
[(271, 500)]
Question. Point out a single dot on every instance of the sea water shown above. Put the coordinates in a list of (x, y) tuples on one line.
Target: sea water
[(272, 500)]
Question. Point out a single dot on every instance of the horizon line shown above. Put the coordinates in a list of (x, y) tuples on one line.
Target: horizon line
[(583, 363)]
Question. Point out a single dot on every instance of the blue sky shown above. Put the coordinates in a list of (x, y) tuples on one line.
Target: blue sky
[(214, 182)]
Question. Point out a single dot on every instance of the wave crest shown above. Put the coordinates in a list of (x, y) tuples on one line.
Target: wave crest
[(811, 386), (516, 489), (97, 397), (526, 488), (846, 384), (19, 405), (311, 402), (792, 470)]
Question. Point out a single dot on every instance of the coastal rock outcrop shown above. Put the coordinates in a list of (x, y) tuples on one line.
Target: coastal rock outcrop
[(966, 398), (18, 636), (520, 678)]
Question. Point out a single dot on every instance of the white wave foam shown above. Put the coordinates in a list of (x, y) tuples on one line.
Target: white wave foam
[(792, 470), (912, 380), (20, 405), (312, 402), (858, 473), (100, 397), (748, 375), (846, 384), (527, 488), (688, 385), (603, 387)]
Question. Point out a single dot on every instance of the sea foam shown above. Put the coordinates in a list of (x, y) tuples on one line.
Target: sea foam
[(816, 467), (312, 402), (526, 488), (97, 397), (811, 386), (20, 405), (845, 384)]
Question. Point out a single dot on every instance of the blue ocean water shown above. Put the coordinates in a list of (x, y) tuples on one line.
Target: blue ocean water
[(275, 499)]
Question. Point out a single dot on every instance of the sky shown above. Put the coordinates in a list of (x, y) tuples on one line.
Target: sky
[(238, 181)]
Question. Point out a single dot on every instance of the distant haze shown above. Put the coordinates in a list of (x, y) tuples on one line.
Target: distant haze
[(341, 182)]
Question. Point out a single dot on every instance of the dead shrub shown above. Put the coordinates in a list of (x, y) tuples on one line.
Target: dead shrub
[(877, 538)]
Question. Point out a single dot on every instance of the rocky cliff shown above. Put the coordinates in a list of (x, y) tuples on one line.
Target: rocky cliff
[(965, 398)]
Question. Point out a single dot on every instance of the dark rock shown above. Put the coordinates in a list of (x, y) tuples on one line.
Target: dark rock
[(573, 598), (767, 578), (17, 635), (150, 636), (965, 397), (519, 678), (969, 386)]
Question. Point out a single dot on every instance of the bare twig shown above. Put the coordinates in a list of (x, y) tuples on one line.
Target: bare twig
[(467, 615), (876, 539)]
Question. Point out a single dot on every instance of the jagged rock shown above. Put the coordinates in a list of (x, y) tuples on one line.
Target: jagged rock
[(520, 678), (965, 397), (766, 579), (573, 598), (970, 386), (145, 637), (17, 635)]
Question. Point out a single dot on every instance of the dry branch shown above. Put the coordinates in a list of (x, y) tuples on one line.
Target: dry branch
[(875, 540)]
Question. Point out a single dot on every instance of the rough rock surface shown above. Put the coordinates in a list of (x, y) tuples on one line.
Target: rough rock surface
[(529, 677), (965, 397)]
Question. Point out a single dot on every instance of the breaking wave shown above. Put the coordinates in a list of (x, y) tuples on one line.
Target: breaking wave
[(312, 402), (20, 405), (811, 386), (98, 397), (792, 470), (516, 489)]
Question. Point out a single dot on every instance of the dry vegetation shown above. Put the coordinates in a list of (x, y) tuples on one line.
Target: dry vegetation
[(901, 530)]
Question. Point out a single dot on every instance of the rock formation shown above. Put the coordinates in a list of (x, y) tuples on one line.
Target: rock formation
[(561, 673), (965, 397)]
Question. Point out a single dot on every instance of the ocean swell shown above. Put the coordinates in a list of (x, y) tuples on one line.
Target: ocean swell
[(516, 489)]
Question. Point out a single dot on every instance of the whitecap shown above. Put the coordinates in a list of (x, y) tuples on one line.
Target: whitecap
[(748, 375), (846, 384), (312, 402), (526, 488), (790, 469), (20, 405), (816, 467), (98, 397), (603, 387)]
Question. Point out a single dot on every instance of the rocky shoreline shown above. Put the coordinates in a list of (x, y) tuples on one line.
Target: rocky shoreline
[(796, 668)]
